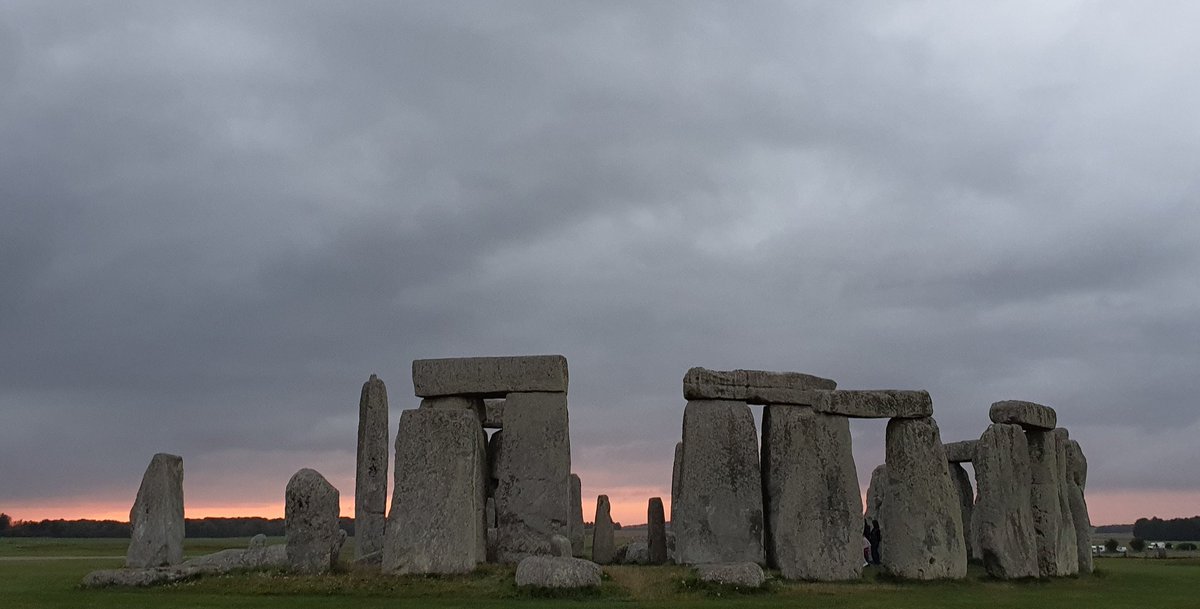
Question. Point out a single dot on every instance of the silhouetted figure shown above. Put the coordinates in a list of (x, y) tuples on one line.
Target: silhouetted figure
[(874, 536)]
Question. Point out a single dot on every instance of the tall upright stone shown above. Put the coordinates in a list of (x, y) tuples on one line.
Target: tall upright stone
[(370, 483), (876, 493), (156, 519), (1044, 498), (656, 532), (1068, 548), (437, 522), (811, 500), (966, 501), (1076, 483), (719, 516), (1003, 517), (921, 522), (675, 480), (311, 511), (604, 548), (576, 531), (533, 492)]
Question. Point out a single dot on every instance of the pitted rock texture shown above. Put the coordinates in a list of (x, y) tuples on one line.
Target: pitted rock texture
[(1029, 415), (557, 572), (156, 519), (752, 386), (311, 513), (744, 574), (371, 483), (489, 377)]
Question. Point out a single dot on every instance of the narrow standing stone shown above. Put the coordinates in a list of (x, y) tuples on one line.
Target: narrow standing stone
[(576, 516), (371, 484), (675, 480), (656, 532), (156, 520), (1003, 518), (1044, 499), (921, 525), (1076, 483), (603, 547), (811, 502), (1068, 548), (311, 513), (966, 501), (876, 492), (533, 492)]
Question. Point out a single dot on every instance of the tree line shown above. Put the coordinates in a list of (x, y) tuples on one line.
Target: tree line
[(192, 527), (1175, 529)]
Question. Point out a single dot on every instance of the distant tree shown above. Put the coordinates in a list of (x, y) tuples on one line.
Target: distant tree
[(1111, 545), (1137, 544), (5, 522), (1168, 546), (1186, 546)]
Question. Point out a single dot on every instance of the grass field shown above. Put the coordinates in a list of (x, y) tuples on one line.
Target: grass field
[(46, 573)]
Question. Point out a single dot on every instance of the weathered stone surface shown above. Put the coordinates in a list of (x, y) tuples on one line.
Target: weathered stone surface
[(1044, 498), (257, 556), (966, 502), (311, 513), (604, 548), (139, 577), (874, 403), (493, 417), (561, 545), (533, 492), (156, 519), (557, 572), (1026, 414), (634, 553), (1003, 518), (921, 523), (457, 402), (656, 532), (1076, 483), (1068, 546), (812, 506), (961, 452), (876, 492), (752, 386), (576, 528), (746, 574), (489, 377), (675, 480), (437, 520), (371, 483), (719, 516)]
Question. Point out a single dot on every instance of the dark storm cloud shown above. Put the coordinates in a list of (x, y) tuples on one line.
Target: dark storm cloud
[(217, 219)]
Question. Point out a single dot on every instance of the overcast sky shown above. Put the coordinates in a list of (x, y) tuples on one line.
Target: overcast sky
[(216, 220)]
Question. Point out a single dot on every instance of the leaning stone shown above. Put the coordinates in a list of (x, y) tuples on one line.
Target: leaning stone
[(489, 377), (533, 492), (156, 520), (746, 574), (811, 496), (966, 502), (922, 525), (876, 492), (603, 547), (874, 404), (1068, 546), (961, 452), (436, 524), (371, 483), (493, 414), (720, 514), (576, 528), (1044, 498), (675, 480), (557, 572), (656, 532), (1003, 518), (752, 386), (458, 402), (561, 545), (1076, 482), (311, 515), (1026, 414)]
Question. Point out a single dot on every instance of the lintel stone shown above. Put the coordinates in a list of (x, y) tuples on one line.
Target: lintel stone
[(752, 386), (489, 377), (960, 452), (1026, 414)]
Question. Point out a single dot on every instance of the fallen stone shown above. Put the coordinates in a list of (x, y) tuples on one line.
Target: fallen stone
[(961, 452), (719, 513), (752, 386), (311, 513), (257, 556), (921, 522), (489, 377), (156, 519), (493, 414), (1003, 517), (561, 545), (437, 520), (813, 524), (1044, 498), (1026, 414), (371, 483), (533, 492), (656, 532), (1068, 545), (604, 548), (744, 574), (874, 404), (138, 577), (557, 572), (876, 492), (1076, 483), (576, 528), (966, 501)]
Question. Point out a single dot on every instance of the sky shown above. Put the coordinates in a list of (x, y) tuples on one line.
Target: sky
[(218, 219)]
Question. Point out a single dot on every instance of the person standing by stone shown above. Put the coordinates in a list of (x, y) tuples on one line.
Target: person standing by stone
[(156, 520), (370, 485)]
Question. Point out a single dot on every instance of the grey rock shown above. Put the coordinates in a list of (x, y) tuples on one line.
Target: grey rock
[(1003, 518), (876, 492), (533, 492), (746, 574), (961, 452), (603, 547), (437, 520), (671, 546), (874, 404), (635, 553), (489, 511), (812, 505), (156, 519), (921, 522), (138, 577), (557, 572), (493, 551), (493, 414), (966, 502), (719, 516), (1076, 482), (675, 479), (1068, 546), (1044, 498), (561, 545), (457, 402), (1026, 414), (752, 386), (374, 560), (371, 483), (656, 532), (489, 377), (311, 513), (257, 556), (576, 524)]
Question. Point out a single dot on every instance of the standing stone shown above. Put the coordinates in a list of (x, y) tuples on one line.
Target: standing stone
[(720, 514), (675, 481), (489, 511), (1076, 483), (921, 522), (1003, 518), (1044, 498), (370, 483), (656, 532), (533, 492), (156, 520), (604, 548), (966, 502), (311, 513), (811, 497), (576, 516), (437, 520), (1068, 547), (876, 492)]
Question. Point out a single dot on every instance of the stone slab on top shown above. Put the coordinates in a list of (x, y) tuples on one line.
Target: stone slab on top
[(875, 403), (1026, 414), (960, 452), (752, 386), (489, 377)]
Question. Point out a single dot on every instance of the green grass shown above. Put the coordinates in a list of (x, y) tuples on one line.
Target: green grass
[(35, 573)]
